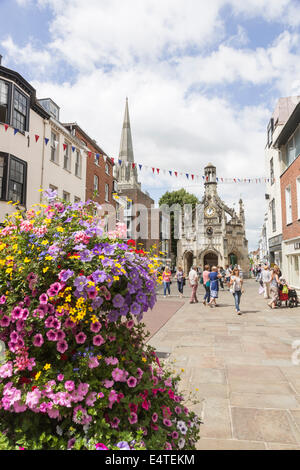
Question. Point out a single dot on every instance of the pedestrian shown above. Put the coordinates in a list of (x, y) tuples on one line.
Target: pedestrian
[(206, 284), (221, 279), (227, 275), (214, 277), (266, 279), (236, 288), (193, 280), (258, 273), (180, 277), (166, 276), (274, 287)]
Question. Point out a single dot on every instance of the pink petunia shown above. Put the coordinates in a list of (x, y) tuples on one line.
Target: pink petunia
[(80, 338)]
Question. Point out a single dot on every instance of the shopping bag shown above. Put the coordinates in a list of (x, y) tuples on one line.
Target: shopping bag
[(261, 290)]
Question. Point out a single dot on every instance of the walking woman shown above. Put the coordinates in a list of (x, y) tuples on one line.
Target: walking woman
[(214, 277), (274, 287), (180, 281), (206, 283), (236, 287), (166, 275)]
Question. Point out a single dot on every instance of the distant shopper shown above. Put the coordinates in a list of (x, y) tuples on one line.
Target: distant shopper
[(206, 284), (193, 280), (166, 275), (236, 288), (214, 277), (274, 287), (180, 280), (227, 274), (266, 279)]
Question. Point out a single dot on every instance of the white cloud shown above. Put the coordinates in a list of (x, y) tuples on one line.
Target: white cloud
[(39, 59)]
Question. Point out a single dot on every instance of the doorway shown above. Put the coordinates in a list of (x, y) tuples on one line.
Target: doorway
[(232, 259), (211, 259), (188, 262)]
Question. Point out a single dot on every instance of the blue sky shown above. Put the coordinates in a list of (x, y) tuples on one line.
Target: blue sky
[(202, 81)]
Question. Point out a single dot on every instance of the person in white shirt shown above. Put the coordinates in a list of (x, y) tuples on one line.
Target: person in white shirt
[(193, 280), (266, 279)]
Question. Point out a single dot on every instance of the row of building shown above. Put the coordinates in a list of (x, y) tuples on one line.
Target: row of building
[(280, 236), (38, 151)]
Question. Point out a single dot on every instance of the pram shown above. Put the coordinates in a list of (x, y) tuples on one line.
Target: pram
[(283, 296), (293, 298)]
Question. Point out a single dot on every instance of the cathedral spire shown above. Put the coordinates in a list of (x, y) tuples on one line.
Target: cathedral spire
[(126, 149)]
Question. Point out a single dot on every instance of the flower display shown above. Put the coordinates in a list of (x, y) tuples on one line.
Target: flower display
[(78, 373)]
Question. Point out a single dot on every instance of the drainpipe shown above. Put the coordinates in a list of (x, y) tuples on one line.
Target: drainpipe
[(43, 159)]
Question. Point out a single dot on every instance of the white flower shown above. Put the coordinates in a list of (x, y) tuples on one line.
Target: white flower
[(181, 443), (59, 431)]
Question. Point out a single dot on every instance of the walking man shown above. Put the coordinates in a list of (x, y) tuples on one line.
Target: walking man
[(193, 280)]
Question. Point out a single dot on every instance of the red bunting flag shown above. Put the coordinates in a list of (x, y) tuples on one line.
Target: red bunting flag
[(175, 173), (6, 126), (192, 177), (113, 160), (64, 146), (157, 169), (153, 170), (234, 180), (36, 137), (89, 154), (133, 165)]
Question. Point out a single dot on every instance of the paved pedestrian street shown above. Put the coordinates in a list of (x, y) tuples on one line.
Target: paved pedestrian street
[(239, 367)]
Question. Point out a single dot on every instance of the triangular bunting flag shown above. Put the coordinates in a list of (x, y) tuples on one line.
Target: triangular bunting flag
[(113, 160), (6, 126), (153, 170), (192, 177), (46, 140), (89, 154), (36, 137), (55, 143), (170, 172), (15, 131), (187, 175), (104, 157), (133, 165), (64, 146), (120, 162), (140, 166), (175, 173), (73, 148), (157, 169)]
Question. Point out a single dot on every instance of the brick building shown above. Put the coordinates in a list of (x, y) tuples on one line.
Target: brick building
[(288, 143), (100, 181)]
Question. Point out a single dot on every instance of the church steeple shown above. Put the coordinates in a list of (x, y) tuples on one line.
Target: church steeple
[(126, 173), (126, 148)]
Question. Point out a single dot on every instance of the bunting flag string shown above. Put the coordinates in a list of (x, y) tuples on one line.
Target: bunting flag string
[(155, 171)]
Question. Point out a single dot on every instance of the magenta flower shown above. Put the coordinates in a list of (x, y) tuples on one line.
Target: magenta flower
[(98, 340), (131, 382), (5, 321), (133, 418), (43, 299), (175, 435), (167, 422), (38, 340), (108, 383), (117, 374), (154, 417), (69, 385), (60, 335), (51, 335), (62, 346), (2, 299), (60, 377), (95, 327), (115, 422), (100, 446), (93, 362), (80, 338)]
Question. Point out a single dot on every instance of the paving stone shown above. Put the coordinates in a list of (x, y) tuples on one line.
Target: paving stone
[(274, 446), (229, 444), (260, 387), (205, 375), (264, 425), (263, 400), (256, 373)]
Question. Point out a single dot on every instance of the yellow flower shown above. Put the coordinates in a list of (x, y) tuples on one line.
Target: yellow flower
[(99, 357), (9, 202), (116, 278), (47, 221), (45, 242), (60, 229), (27, 260), (144, 359), (45, 269), (37, 376), (182, 370), (48, 258), (2, 246), (47, 366), (9, 270)]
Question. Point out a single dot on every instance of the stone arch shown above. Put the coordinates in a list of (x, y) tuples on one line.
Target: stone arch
[(210, 256), (188, 260)]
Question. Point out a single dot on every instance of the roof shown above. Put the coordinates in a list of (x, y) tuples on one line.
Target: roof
[(85, 136), (289, 128)]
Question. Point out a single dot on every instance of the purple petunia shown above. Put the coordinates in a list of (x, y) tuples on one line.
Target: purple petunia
[(118, 301), (80, 282), (135, 308)]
